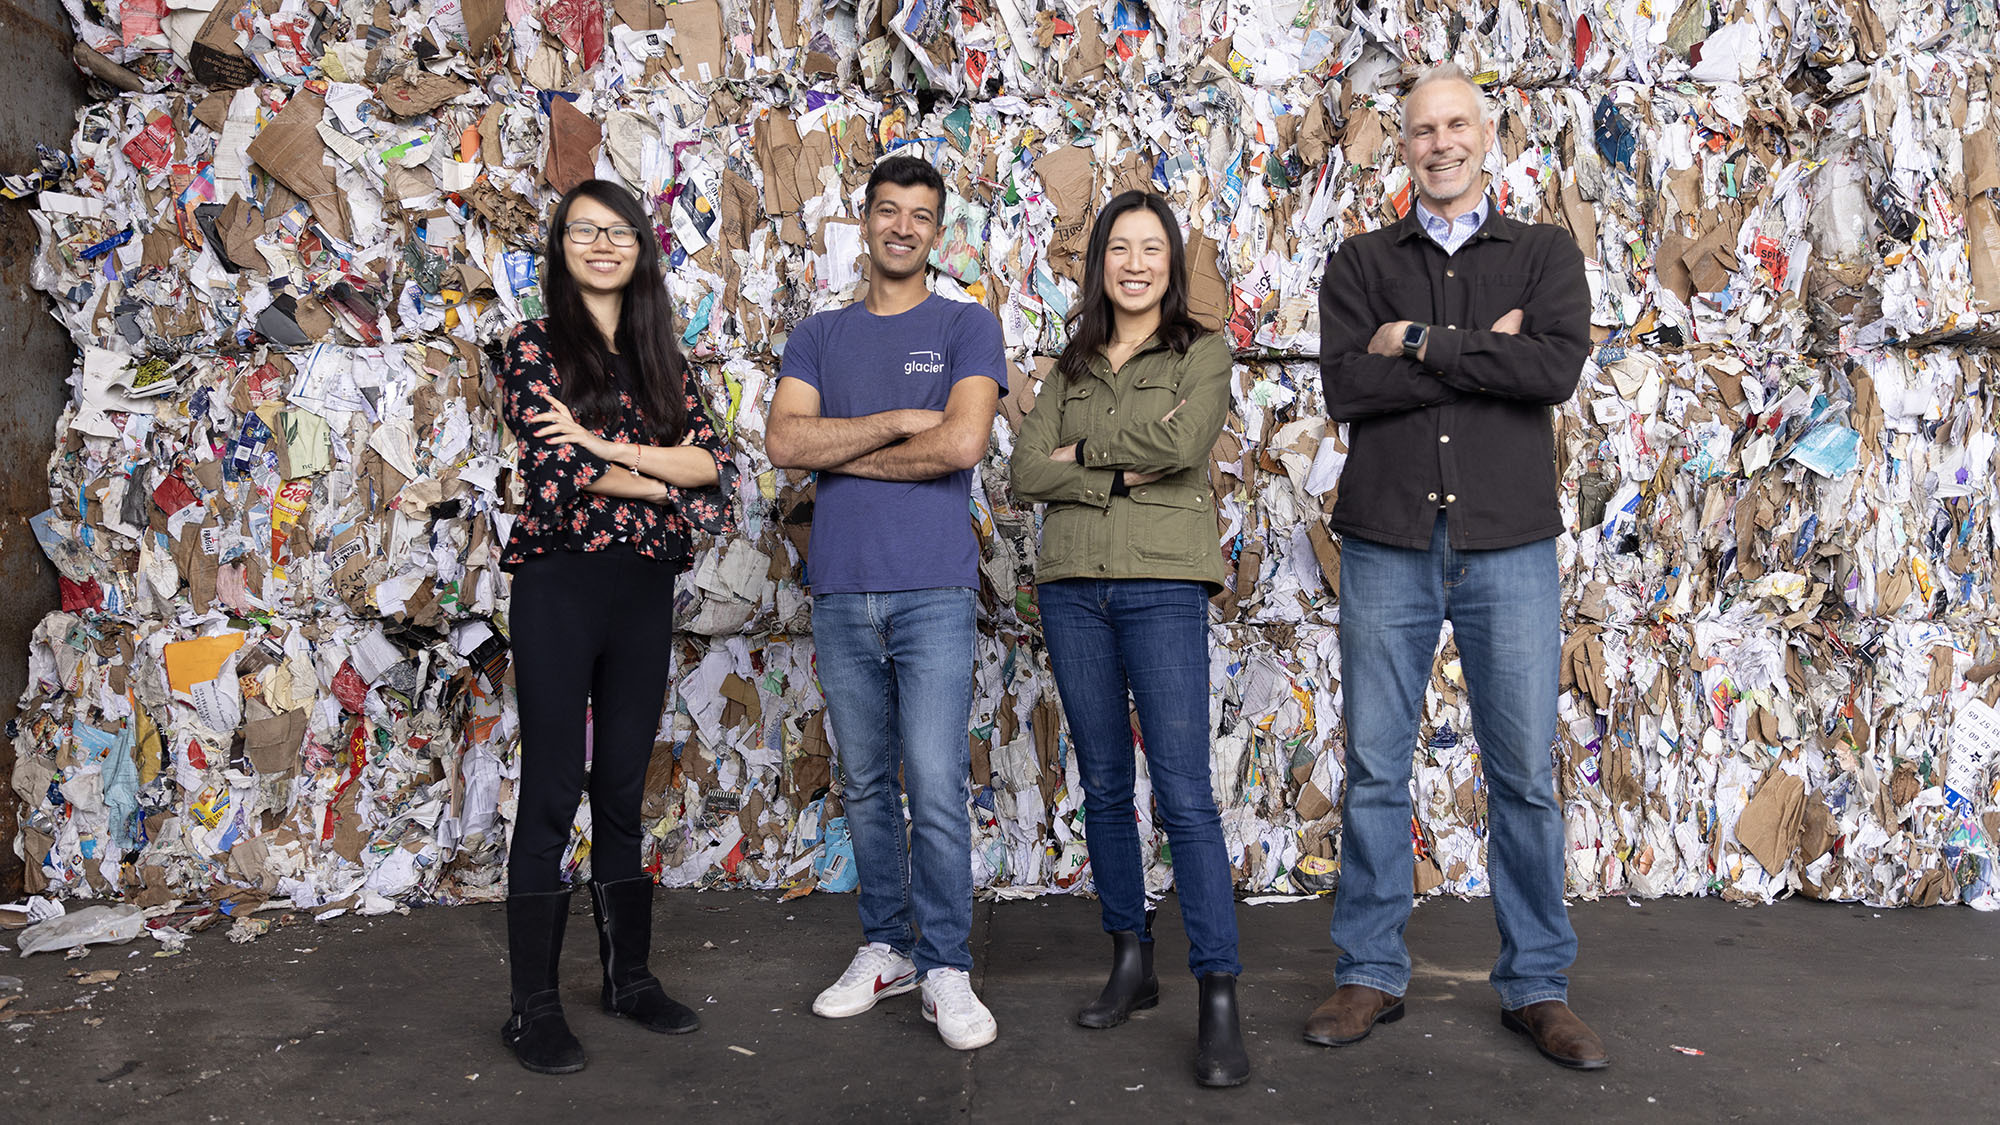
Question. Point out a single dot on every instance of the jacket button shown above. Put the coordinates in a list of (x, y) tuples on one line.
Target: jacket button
[(1451, 498), (1451, 326), (1113, 410), (1100, 568), (1433, 496), (1444, 439), (1451, 273)]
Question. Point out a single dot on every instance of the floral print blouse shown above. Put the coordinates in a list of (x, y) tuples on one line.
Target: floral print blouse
[(560, 515)]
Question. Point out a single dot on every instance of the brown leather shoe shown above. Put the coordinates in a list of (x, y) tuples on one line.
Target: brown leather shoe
[(1350, 1014), (1559, 1034)]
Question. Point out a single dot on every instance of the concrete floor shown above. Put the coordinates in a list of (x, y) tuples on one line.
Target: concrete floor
[(1805, 1011)]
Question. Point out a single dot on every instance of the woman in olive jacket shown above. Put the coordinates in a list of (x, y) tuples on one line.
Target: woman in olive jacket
[(1117, 447)]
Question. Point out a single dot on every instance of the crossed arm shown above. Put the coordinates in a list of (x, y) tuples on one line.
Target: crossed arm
[(1366, 375), (628, 486), (900, 445), (1388, 339), (1046, 472), (652, 467), (1142, 450)]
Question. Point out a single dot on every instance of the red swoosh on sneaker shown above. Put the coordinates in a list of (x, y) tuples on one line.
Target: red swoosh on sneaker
[(885, 982)]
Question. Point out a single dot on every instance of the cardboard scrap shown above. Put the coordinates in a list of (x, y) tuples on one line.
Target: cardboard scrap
[(290, 149), (1773, 822), (573, 143)]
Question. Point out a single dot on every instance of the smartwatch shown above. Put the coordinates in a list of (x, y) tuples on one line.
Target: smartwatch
[(1413, 339)]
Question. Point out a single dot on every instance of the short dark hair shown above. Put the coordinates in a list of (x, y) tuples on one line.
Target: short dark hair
[(905, 171)]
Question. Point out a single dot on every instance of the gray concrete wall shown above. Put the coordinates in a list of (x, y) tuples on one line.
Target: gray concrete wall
[(42, 92)]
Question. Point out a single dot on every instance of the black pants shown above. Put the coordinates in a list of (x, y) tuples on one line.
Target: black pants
[(591, 628)]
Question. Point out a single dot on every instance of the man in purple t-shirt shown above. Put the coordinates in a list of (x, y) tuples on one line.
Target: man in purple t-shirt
[(891, 400)]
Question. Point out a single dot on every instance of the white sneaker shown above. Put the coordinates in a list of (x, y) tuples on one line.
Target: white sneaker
[(962, 1021), (875, 972)]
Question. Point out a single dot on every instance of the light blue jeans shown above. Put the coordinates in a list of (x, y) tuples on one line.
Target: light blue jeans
[(1503, 606), (896, 670)]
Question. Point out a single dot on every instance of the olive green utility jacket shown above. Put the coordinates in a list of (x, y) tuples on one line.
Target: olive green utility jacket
[(1165, 529)]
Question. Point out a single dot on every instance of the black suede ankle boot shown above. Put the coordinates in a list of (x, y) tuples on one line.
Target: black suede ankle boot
[(536, 1031), (1221, 1060), (624, 941), (1132, 986)]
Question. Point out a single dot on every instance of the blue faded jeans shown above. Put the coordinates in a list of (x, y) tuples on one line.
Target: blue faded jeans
[(1503, 607), (896, 670), (1149, 637)]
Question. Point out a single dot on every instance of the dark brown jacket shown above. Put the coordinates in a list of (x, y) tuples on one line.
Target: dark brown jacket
[(1468, 429)]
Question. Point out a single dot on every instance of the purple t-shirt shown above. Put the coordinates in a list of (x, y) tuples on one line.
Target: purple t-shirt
[(874, 536)]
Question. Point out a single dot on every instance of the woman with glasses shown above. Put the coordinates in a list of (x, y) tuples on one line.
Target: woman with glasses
[(621, 468), (1117, 447)]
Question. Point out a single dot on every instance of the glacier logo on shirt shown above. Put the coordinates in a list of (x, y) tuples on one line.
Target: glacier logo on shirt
[(926, 362)]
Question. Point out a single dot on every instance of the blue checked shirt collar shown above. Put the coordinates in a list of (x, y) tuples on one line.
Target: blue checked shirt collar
[(1452, 234)]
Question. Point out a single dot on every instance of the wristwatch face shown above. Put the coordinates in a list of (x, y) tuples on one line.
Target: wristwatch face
[(1413, 339)]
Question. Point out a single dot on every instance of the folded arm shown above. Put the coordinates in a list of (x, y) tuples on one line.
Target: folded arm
[(1541, 363), (1184, 436), (1041, 472), (797, 436), (628, 486), (1359, 385), (692, 464), (957, 441), (554, 472)]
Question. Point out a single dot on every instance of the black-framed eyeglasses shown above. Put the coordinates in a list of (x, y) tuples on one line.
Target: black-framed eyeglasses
[(583, 234)]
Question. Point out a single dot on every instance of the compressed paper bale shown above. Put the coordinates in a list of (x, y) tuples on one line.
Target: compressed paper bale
[(1776, 470)]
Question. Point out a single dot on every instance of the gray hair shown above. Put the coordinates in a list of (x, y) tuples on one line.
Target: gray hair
[(1448, 72)]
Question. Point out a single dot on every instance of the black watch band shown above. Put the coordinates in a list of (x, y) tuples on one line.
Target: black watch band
[(1413, 339)]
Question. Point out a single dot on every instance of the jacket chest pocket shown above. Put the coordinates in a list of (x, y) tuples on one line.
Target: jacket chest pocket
[(1400, 297), (1496, 294), (1077, 404), (1151, 397)]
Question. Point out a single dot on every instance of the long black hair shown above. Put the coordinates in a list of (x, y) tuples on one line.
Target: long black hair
[(1089, 324), (645, 328)]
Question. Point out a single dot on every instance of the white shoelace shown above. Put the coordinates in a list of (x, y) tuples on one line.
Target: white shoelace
[(869, 963), (951, 991)]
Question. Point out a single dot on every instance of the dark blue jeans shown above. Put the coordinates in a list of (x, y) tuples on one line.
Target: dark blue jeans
[(1148, 637), (1503, 607)]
